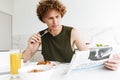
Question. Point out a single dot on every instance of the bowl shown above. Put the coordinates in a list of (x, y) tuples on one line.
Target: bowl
[(30, 73)]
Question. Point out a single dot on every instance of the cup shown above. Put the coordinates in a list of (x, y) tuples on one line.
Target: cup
[(15, 62)]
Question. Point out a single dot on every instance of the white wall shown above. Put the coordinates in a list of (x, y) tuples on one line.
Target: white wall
[(25, 22), (90, 13), (7, 6), (94, 18), (6, 12), (5, 31), (25, 19)]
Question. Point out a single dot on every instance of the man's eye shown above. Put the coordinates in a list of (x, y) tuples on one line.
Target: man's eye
[(57, 16), (49, 18)]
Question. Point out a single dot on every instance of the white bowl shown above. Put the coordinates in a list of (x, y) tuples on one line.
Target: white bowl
[(44, 75)]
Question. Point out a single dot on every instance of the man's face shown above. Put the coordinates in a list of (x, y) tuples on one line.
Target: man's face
[(53, 19)]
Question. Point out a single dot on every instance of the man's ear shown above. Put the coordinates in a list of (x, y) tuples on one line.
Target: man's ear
[(43, 20)]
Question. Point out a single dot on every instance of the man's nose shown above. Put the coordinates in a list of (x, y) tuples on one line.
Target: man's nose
[(54, 21)]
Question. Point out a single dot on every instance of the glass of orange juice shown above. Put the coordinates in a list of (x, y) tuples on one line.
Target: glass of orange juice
[(15, 62)]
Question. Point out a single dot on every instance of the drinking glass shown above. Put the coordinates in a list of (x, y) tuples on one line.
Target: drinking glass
[(15, 62)]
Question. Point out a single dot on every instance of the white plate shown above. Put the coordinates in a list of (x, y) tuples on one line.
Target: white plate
[(45, 75)]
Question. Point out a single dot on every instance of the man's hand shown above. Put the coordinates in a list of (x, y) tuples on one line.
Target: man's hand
[(113, 63), (34, 42)]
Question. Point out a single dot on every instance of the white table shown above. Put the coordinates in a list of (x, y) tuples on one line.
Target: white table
[(93, 74)]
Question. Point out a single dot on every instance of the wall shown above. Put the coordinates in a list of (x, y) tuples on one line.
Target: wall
[(7, 6), (6, 12), (25, 22), (5, 31), (97, 20)]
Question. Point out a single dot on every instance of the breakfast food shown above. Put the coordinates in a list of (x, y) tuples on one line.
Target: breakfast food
[(36, 70), (43, 63)]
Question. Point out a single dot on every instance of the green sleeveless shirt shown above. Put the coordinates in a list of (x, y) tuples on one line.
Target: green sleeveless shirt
[(57, 48)]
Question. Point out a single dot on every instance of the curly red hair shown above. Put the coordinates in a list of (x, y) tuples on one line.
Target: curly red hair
[(46, 5)]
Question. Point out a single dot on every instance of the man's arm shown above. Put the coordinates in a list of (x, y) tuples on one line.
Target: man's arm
[(77, 40), (33, 45)]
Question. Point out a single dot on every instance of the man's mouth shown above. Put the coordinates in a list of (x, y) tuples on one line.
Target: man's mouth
[(55, 25)]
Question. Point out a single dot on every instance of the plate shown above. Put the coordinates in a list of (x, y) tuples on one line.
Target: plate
[(26, 74)]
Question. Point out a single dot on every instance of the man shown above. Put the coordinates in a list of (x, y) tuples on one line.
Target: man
[(57, 40)]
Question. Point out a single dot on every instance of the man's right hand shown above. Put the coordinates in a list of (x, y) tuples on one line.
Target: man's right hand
[(34, 42)]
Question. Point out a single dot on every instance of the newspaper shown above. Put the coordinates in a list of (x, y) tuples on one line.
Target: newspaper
[(93, 58)]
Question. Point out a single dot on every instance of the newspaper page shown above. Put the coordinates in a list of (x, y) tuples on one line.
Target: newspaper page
[(91, 59)]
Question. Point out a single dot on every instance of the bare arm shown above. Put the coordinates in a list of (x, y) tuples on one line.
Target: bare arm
[(33, 44), (77, 40)]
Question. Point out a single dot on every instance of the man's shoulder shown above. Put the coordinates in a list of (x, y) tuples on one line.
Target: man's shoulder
[(68, 27)]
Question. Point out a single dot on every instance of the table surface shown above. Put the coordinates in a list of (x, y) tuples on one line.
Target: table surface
[(92, 74)]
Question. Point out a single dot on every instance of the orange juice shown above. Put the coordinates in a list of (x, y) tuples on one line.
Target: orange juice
[(15, 62)]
